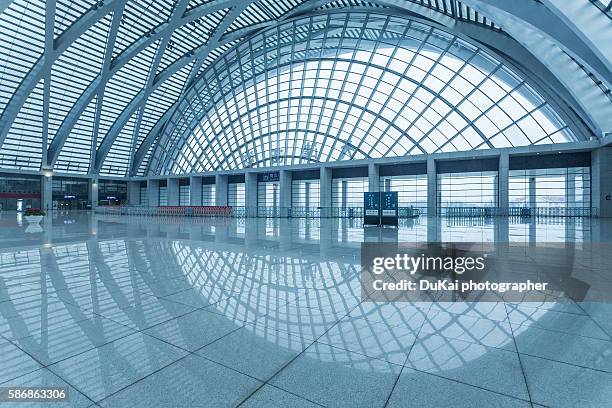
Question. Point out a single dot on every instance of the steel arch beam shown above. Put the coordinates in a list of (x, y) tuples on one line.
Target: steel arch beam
[(563, 32), (201, 53), (179, 10), (43, 65), (246, 113), (45, 62), (316, 132), (495, 41)]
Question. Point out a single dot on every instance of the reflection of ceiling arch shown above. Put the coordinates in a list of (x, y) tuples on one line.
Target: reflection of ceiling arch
[(377, 58)]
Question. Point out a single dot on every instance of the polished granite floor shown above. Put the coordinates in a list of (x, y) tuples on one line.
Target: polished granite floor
[(174, 312)]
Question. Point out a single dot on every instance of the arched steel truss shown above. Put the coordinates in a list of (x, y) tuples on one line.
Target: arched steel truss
[(416, 88), (90, 120)]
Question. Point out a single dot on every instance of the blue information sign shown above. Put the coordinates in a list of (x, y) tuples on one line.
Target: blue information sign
[(371, 208), (388, 208)]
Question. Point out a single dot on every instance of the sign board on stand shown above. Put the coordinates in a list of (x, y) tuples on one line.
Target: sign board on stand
[(371, 208), (388, 208)]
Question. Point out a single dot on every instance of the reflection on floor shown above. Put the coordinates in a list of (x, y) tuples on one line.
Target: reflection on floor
[(143, 312)]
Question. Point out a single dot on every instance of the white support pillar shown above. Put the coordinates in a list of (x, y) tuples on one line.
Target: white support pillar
[(503, 184), (221, 190), (325, 193), (173, 191), (93, 192), (47, 192), (373, 177), (133, 191), (432, 187), (250, 190), (601, 181), (285, 192), (153, 192), (195, 190)]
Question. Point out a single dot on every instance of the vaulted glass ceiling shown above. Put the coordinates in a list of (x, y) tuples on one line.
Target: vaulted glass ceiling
[(347, 86), (94, 86)]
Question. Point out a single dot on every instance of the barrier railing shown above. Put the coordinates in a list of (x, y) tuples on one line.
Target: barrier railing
[(551, 212), (468, 212), (340, 212)]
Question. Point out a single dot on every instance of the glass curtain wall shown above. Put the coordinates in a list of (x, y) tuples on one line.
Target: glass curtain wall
[(411, 191), (144, 196), (208, 194), (347, 196), (184, 195), (467, 194), (236, 195), (268, 199), (163, 196), (305, 198), (551, 192), (377, 86)]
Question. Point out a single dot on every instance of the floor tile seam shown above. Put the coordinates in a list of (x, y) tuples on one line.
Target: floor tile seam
[(465, 383), (294, 394), (281, 369), (470, 314), (476, 343), (44, 367), (591, 317), (520, 360), (72, 385), (146, 328), (89, 349), (57, 328), (142, 378), (199, 348), (515, 306), (192, 306), (407, 357), (534, 326), (566, 363)]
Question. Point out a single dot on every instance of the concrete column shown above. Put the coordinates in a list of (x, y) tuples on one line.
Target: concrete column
[(173, 191), (373, 177), (93, 192), (220, 190), (434, 229), (570, 193), (250, 192), (195, 190), (503, 183), (47, 192), (532, 193), (325, 193), (153, 192), (601, 181), (432, 187), (285, 192), (133, 191)]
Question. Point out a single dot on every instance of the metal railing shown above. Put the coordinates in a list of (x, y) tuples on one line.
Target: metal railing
[(469, 212), (551, 212), (342, 212)]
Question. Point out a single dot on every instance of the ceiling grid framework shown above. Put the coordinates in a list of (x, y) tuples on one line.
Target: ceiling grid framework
[(96, 87), (368, 83)]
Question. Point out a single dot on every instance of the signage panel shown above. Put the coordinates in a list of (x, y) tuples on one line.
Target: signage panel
[(371, 206), (389, 208)]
